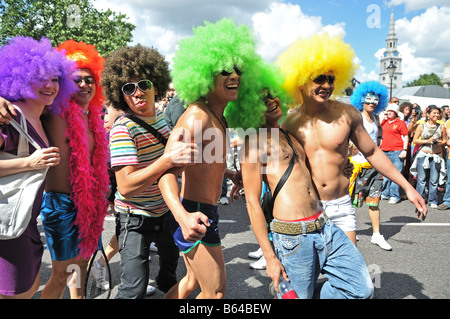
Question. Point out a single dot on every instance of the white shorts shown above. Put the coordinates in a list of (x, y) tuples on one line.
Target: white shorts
[(341, 212)]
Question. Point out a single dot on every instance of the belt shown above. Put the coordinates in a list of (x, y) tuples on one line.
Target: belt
[(296, 228)]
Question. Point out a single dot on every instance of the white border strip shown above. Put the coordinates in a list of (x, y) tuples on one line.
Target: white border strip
[(416, 224)]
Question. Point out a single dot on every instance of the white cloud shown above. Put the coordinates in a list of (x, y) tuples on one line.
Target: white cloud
[(428, 33), (277, 27), (424, 40), (424, 43), (162, 23), (411, 5), (361, 74)]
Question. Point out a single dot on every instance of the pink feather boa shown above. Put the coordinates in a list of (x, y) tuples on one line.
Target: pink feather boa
[(89, 182)]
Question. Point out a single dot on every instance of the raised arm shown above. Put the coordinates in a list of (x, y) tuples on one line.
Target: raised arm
[(382, 164), (132, 181)]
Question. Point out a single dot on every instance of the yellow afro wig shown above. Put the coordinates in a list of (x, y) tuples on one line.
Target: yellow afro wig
[(308, 58)]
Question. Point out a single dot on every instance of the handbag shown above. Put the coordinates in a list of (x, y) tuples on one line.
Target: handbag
[(268, 200), (18, 191)]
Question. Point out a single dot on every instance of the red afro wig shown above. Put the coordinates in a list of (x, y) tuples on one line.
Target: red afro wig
[(86, 57)]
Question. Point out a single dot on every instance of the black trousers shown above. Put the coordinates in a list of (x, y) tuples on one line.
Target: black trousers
[(135, 234)]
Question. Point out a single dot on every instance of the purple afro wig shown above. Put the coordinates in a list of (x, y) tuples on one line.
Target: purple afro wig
[(24, 62)]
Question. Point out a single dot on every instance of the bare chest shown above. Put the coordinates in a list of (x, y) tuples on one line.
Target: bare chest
[(319, 135)]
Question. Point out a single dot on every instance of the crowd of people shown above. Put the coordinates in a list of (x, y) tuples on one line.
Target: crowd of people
[(159, 159)]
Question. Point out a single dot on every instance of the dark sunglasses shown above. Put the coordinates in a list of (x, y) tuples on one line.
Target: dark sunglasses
[(268, 97), (130, 88), (321, 79), (87, 79), (236, 69)]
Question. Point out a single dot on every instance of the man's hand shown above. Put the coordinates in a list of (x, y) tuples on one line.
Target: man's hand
[(275, 269), (6, 106), (182, 153), (194, 226), (418, 201), (348, 169)]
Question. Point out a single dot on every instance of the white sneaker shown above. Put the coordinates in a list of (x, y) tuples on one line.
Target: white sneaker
[(255, 254), (150, 290), (384, 197), (260, 264), (153, 247), (378, 239), (98, 272), (393, 200), (224, 201), (433, 205)]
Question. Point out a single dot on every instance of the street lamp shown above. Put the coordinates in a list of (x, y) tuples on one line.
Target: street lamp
[(391, 71)]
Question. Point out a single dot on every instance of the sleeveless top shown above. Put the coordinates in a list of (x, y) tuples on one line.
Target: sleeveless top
[(372, 129), (429, 132)]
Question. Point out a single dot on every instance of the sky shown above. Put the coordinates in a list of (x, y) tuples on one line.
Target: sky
[(422, 27)]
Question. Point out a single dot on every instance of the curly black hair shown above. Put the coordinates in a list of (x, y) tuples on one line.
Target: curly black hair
[(129, 62)]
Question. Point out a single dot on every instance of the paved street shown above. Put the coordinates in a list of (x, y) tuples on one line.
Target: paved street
[(417, 268)]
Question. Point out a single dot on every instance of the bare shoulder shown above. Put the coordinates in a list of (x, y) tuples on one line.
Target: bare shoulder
[(347, 110), (195, 113), (55, 124), (294, 121), (192, 122), (250, 147)]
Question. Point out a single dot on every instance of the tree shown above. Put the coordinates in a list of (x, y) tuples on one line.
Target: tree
[(60, 20), (426, 79)]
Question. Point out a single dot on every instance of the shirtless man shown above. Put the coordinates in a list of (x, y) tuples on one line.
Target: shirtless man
[(324, 126), (72, 203), (195, 216), (298, 222)]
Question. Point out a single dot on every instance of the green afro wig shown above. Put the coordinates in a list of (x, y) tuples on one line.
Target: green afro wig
[(248, 111), (308, 58), (212, 49)]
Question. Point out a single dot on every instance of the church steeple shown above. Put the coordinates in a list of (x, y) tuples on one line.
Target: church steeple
[(391, 54), (392, 40)]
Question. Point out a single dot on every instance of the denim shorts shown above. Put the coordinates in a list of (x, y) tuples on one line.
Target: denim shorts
[(330, 252), (58, 214), (211, 237)]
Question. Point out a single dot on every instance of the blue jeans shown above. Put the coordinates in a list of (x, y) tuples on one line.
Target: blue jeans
[(390, 189), (329, 252), (446, 199), (433, 179)]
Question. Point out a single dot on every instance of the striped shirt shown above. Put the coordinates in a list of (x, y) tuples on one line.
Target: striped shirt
[(132, 144)]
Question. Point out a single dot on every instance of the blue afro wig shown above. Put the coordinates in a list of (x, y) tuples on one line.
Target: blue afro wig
[(374, 87)]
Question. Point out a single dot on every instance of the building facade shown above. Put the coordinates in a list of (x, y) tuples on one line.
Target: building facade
[(446, 78), (391, 54)]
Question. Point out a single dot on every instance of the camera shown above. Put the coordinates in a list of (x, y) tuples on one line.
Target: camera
[(435, 141)]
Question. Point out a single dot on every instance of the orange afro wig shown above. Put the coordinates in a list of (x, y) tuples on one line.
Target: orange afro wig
[(86, 57)]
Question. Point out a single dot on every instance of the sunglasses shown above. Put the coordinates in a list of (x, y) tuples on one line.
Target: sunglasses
[(87, 79), (130, 88), (236, 69), (321, 79), (268, 97)]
